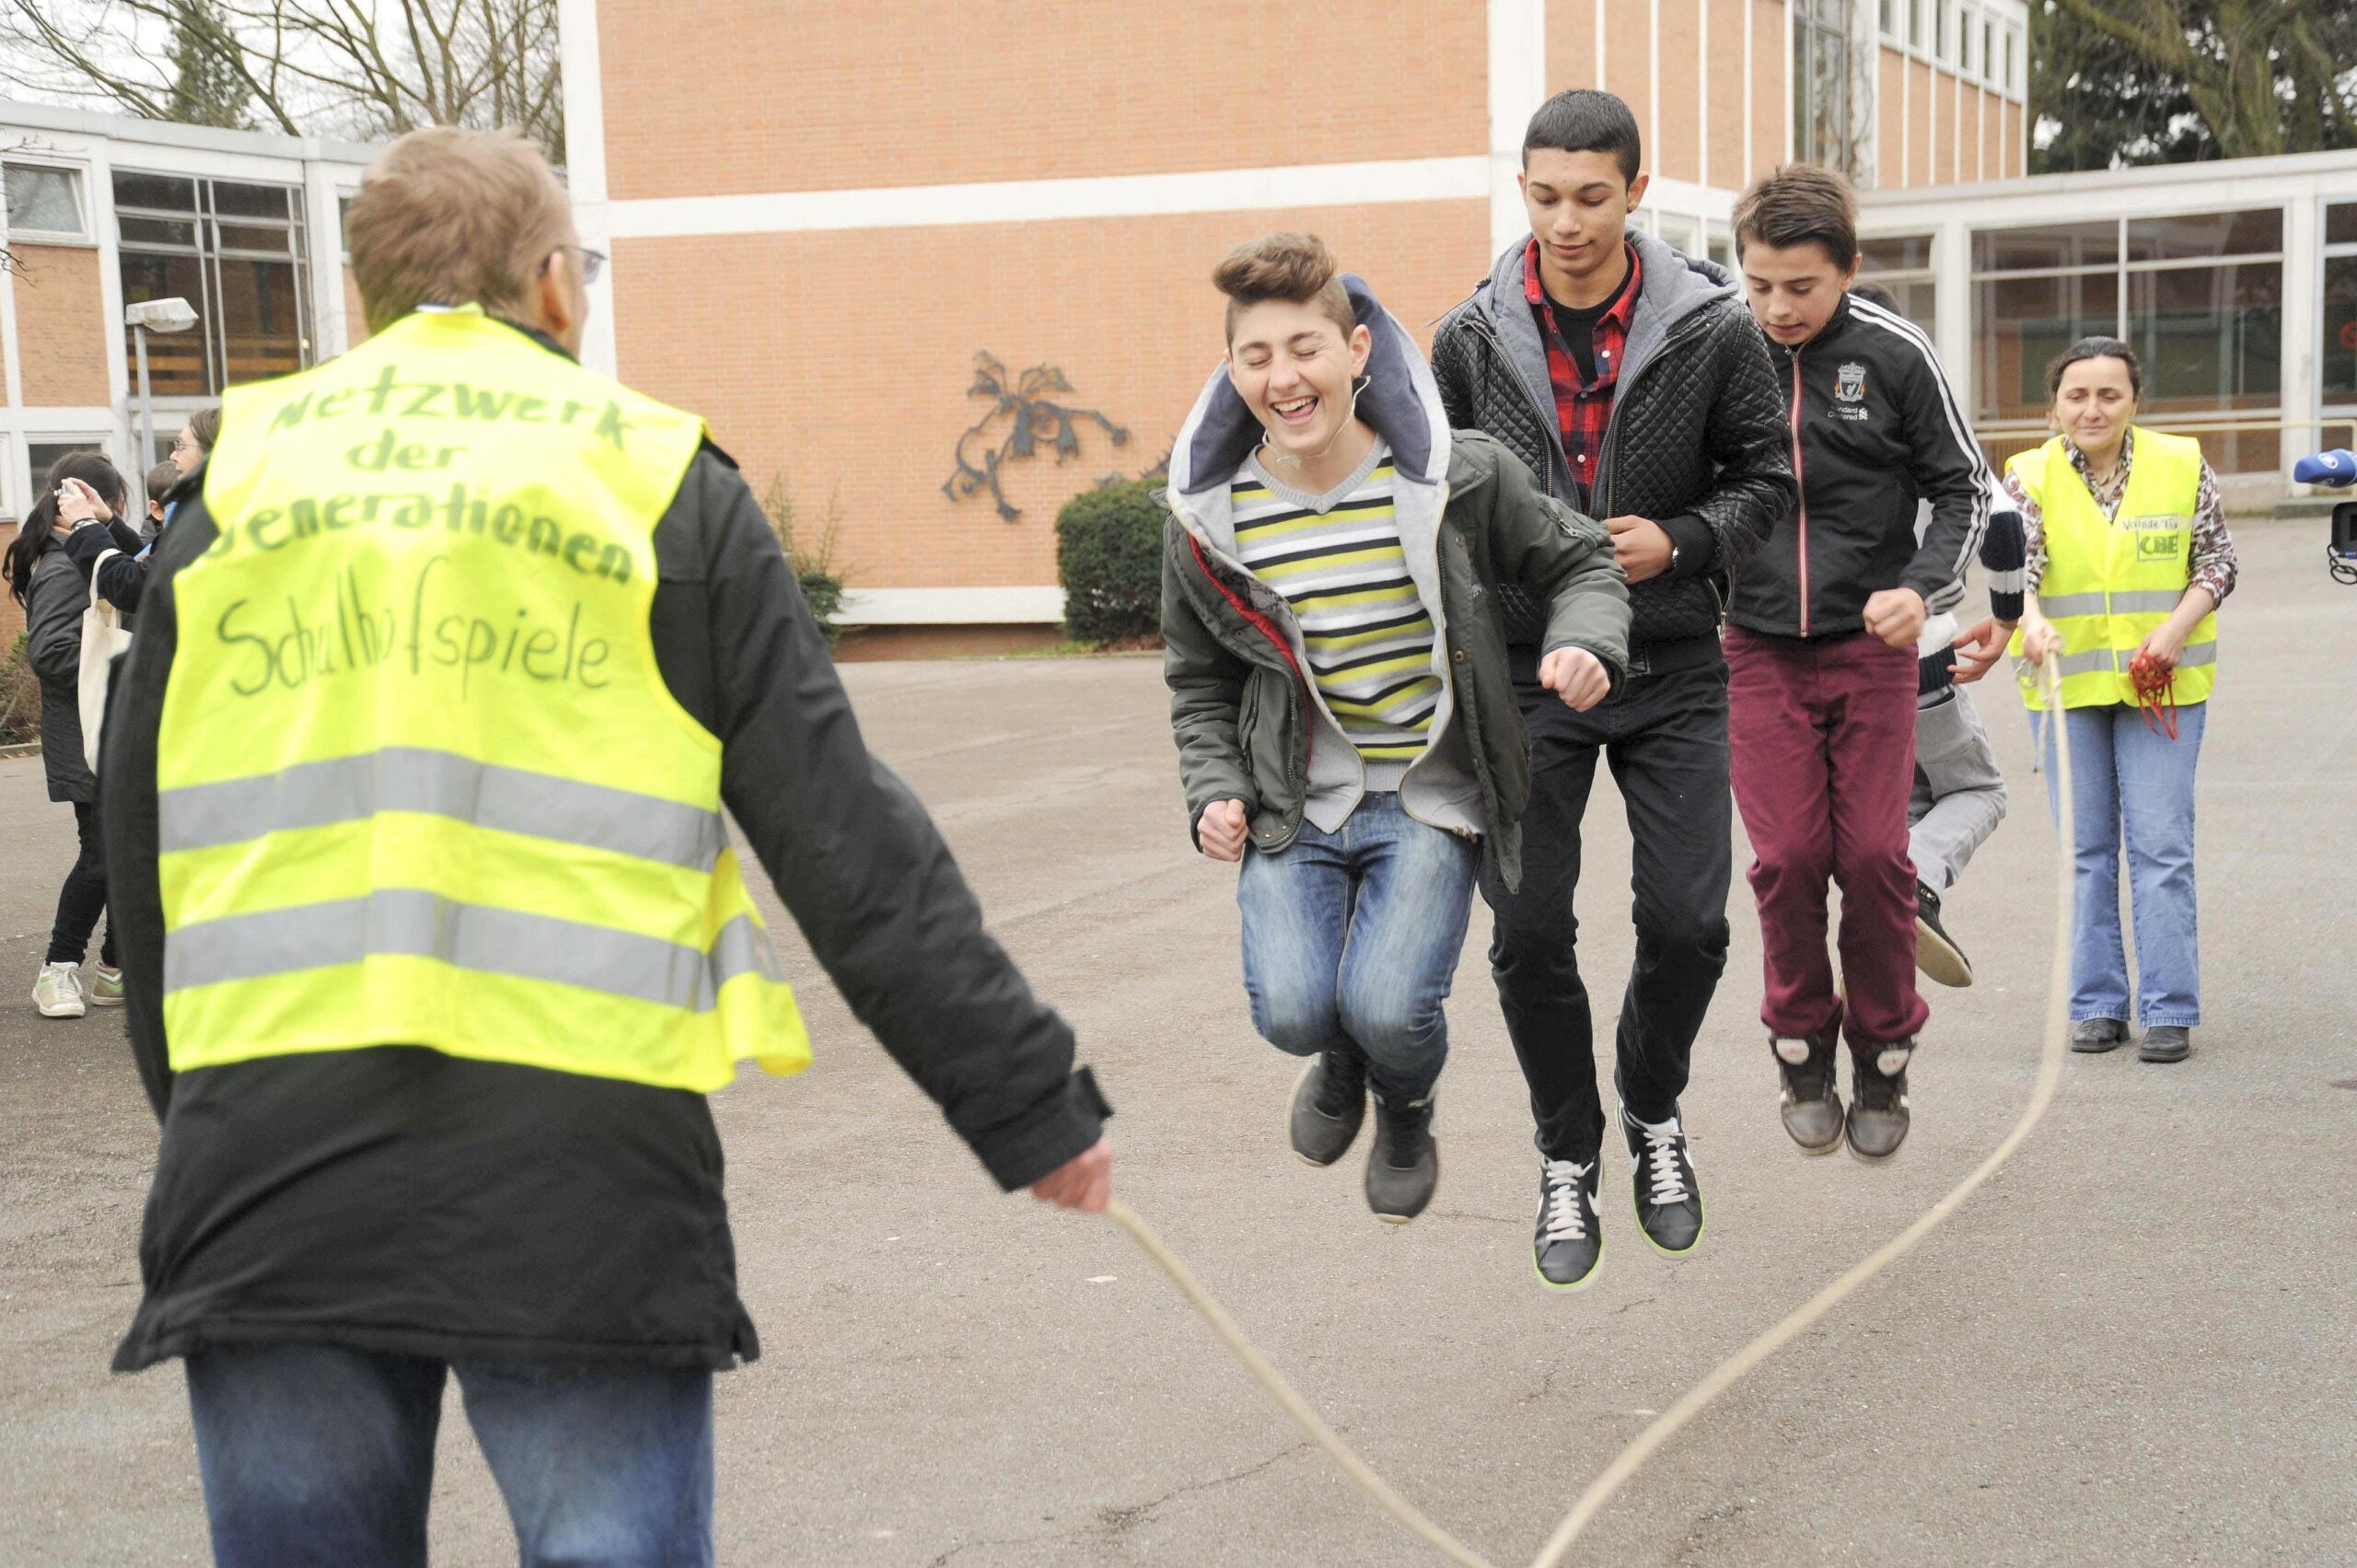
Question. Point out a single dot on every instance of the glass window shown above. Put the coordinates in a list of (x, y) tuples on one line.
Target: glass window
[(2048, 245), (1964, 41), (44, 201), (1940, 34), (1902, 263), (2010, 84), (39, 454), (1889, 18), (1915, 22), (2339, 358), (2210, 337), (1821, 84), (1988, 48), (1896, 254), (2199, 235), (2020, 324), (235, 251), (2340, 223), (1680, 233)]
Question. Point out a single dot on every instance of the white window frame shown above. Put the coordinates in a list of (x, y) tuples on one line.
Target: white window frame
[(21, 456), (80, 176), (2328, 403)]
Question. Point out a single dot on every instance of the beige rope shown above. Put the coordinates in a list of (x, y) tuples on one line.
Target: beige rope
[(1736, 1367)]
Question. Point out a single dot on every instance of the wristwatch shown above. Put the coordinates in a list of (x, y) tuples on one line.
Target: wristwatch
[(1673, 562)]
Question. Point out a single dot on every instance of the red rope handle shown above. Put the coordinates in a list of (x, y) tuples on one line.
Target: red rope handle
[(2156, 686)]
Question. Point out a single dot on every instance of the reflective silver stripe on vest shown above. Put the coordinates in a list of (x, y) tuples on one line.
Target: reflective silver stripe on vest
[(2145, 601), (2088, 663), (440, 784), (411, 923), (2198, 653)]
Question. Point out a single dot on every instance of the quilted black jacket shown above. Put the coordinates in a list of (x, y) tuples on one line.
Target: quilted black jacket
[(1698, 440)]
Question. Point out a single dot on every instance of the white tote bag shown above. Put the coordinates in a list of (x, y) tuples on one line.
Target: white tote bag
[(102, 637)]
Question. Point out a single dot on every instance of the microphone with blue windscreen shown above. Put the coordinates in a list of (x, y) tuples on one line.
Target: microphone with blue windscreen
[(2338, 469)]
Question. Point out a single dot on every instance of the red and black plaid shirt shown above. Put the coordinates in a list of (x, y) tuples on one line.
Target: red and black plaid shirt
[(1581, 410)]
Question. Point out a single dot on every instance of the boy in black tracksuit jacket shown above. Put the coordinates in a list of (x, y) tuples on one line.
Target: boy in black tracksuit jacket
[(1822, 677)]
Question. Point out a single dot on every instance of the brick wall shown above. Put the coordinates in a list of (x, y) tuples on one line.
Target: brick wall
[(61, 337), (816, 94), (844, 357)]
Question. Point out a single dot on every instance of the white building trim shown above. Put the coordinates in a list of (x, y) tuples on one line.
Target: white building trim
[(951, 607), (1050, 200), (585, 151), (1517, 45)]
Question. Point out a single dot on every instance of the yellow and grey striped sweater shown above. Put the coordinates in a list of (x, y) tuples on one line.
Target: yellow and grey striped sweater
[(1336, 560)]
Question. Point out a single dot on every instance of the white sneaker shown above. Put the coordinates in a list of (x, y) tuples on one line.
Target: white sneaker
[(58, 992)]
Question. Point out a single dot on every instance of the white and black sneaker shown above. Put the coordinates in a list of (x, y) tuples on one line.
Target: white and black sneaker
[(1568, 1250), (1878, 1118), (1669, 1200), (1811, 1106), (1937, 953)]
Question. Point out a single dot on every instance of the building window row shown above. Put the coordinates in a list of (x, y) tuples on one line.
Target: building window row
[(1973, 42), (235, 251)]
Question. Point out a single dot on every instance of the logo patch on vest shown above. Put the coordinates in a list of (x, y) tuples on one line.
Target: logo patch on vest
[(2155, 545)]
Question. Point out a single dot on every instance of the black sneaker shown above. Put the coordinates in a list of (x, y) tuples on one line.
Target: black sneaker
[(2090, 1036), (1937, 953), (1403, 1167), (2167, 1042), (1878, 1119), (1568, 1249), (1669, 1200), (1329, 1104), (1811, 1106)]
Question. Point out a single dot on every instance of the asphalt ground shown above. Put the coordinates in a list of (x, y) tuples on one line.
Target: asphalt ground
[(2134, 1346)]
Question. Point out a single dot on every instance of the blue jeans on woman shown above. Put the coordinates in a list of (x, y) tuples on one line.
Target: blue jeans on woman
[(2128, 782), (1352, 938), (319, 1456)]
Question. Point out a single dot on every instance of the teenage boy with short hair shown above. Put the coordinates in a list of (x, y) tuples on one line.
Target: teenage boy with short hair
[(1346, 726), (1632, 379), (1821, 656)]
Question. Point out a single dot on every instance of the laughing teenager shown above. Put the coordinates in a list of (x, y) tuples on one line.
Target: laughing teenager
[(1346, 726), (1821, 648), (1632, 379)]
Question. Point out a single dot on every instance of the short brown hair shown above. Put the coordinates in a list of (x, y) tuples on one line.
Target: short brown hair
[(1800, 204), (1295, 268), (446, 217)]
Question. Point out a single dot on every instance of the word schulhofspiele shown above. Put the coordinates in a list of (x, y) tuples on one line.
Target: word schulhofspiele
[(438, 621)]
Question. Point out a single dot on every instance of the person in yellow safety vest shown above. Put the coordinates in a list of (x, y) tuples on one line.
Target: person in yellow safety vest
[(2129, 560), (434, 937)]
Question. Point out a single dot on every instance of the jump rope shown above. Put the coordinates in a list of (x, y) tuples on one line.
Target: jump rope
[(1733, 1370)]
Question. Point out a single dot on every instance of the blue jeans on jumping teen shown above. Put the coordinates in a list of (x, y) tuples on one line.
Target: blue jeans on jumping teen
[(1351, 941), (319, 1456), (2127, 781)]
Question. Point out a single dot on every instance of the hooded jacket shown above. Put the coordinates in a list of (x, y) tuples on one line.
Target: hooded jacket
[(1696, 441), (1874, 428), (1248, 720)]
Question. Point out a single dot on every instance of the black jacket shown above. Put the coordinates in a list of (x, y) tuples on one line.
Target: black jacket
[(1875, 429), (399, 1199), (55, 602), (1696, 442)]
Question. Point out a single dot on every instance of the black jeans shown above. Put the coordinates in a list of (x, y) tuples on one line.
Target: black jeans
[(84, 896), (1666, 739)]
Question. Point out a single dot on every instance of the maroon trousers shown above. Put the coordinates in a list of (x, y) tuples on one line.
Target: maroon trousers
[(1822, 741)]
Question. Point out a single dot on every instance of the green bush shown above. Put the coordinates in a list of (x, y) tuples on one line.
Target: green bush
[(1108, 556), (814, 565), (19, 696)]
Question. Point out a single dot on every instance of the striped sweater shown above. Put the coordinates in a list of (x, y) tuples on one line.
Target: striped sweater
[(1336, 559)]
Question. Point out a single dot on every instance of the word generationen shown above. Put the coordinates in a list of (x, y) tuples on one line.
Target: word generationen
[(449, 626), (460, 510)]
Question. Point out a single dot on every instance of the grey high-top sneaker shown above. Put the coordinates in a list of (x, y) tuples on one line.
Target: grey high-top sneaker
[(1811, 1106), (1878, 1098), (1329, 1105)]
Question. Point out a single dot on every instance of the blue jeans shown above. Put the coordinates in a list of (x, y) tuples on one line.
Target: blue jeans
[(317, 1454), (2128, 782), (1351, 941)]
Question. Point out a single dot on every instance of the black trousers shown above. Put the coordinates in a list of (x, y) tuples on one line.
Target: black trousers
[(1664, 738), (84, 896)]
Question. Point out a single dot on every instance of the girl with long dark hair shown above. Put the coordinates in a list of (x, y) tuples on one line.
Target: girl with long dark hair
[(54, 595)]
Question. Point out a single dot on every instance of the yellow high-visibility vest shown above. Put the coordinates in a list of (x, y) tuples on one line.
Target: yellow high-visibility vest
[(2110, 582), (419, 779)]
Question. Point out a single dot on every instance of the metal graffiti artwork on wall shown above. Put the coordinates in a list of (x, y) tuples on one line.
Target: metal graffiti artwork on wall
[(1024, 417)]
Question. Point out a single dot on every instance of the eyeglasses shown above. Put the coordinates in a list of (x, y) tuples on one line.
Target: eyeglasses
[(592, 261)]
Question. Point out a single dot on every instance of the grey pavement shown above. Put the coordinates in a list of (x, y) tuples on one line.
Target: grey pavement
[(2134, 1346)]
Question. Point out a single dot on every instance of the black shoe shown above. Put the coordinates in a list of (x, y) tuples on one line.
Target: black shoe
[(1878, 1098), (2165, 1043), (2090, 1036), (1568, 1249), (1403, 1167), (1329, 1104), (1937, 953), (1811, 1107), (1668, 1199)]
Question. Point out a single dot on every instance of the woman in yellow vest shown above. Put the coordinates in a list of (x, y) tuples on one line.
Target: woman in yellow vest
[(2128, 561)]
